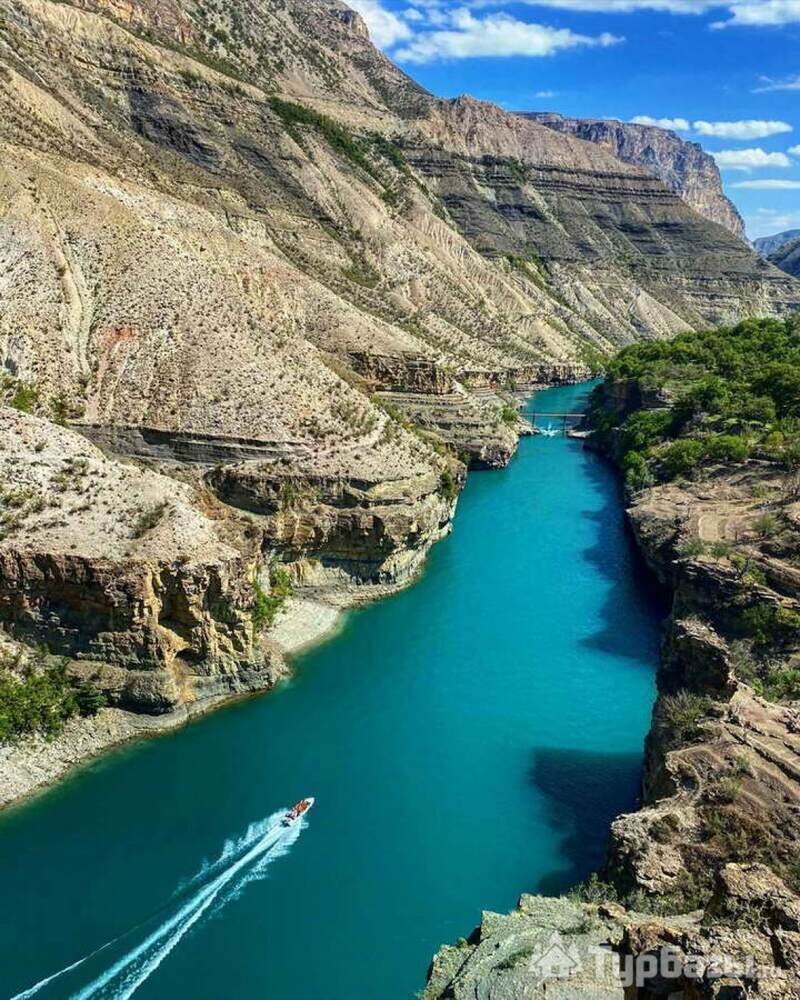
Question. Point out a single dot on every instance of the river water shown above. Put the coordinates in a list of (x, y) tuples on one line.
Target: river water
[(466, 740)]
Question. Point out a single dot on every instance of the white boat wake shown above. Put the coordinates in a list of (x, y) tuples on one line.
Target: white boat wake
[(242, 861)]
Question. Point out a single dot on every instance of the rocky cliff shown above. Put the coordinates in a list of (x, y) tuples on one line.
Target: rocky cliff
[(144, 582), (682, 165)]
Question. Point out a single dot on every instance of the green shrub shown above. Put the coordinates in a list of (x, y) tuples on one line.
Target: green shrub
[(638, 475), (38, 698), (781, 685), (771, 625), (594, 890), (644, 429), (692, 548), (766, 525), (509, 415), (149, 519), (680, 715), (25, 398), (448, 486), (681, 457), (726, 448), (89, 699), (268, 603)]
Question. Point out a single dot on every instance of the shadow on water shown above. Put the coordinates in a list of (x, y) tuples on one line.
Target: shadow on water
[(616, 557), (586, 792)]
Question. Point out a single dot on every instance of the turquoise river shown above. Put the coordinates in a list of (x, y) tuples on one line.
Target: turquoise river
[(467, 740)]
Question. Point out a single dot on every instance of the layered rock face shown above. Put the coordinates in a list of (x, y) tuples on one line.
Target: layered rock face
[(362, 529), (712, 791), (142, 581), (683, 166), (162, 207)]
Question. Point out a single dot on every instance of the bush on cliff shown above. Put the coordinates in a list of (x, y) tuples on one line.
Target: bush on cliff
[(678, 716), (38, 696), (268, 603)]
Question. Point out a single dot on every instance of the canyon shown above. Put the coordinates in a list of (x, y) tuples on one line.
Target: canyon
[(264, 302), (288, 277)]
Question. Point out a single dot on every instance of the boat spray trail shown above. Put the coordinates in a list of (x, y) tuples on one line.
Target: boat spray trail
[(242, 861)]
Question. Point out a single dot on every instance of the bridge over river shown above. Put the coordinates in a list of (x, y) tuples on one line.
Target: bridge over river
[(542, 420)]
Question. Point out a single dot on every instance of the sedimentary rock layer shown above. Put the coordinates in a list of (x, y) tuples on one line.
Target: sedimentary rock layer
[(682, 165)]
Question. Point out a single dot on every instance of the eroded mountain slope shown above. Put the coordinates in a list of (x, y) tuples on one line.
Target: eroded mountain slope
[(682, 165)]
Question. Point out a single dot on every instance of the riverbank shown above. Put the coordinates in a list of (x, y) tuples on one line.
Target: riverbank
[(34, 764), (312, 616)]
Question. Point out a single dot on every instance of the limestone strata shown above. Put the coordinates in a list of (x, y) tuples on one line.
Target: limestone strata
[(121, 567), (671, 847), (682, 165), (356, 530), (471, 423)]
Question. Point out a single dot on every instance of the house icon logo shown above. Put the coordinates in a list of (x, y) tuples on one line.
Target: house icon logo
[(554, 959)]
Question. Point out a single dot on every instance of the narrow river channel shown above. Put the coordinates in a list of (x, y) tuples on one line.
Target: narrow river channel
[(466, 740)]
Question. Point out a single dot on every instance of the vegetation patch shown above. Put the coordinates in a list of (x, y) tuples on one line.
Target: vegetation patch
[(728, 395), (38, 696), (267, 604), (678, 716), (295, 117)]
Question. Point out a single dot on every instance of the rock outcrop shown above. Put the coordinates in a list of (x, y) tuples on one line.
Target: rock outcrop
[(565, 949), (682, 165), (141, 580)]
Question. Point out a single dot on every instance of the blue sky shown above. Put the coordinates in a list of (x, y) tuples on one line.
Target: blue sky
[(725, 74)]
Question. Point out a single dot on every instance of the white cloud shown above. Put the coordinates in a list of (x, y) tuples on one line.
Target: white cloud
[(768, 85), (768, 185), (768, 221), (385, 28), (749, 129), (749, 159), (673, 124), (794, 150), (743, 130), (546, 93), (761, 12), (494, 35), (740, 12)]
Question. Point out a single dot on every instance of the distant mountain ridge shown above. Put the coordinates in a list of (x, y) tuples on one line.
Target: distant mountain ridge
[(787, 257), (769, 245), (683, 166)]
